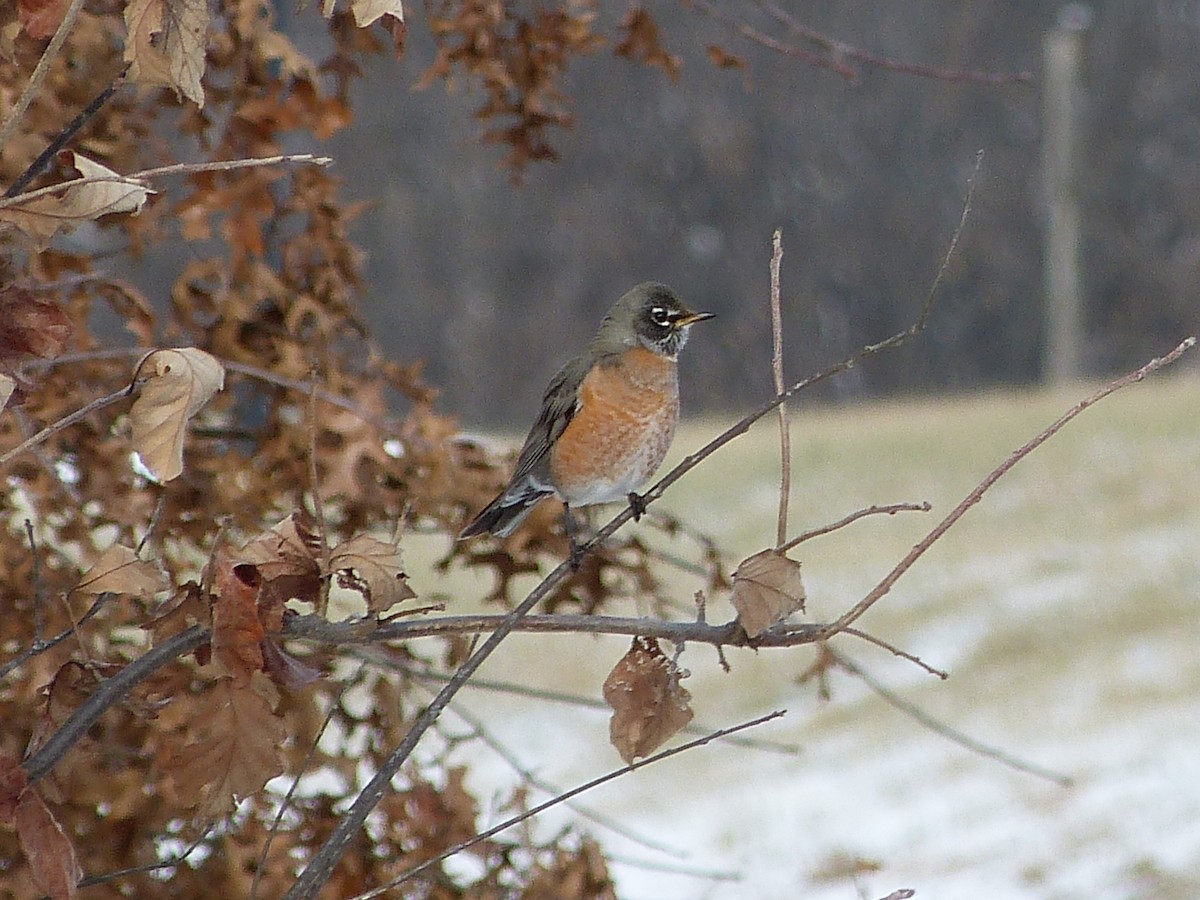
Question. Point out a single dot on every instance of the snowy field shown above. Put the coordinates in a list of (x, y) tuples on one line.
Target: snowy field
[(1065, 607)]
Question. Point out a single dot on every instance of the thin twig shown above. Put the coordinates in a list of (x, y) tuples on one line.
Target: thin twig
[(841, 50), (65, 422), (876, 509), (178, 859), (940, 728), (135, 179), (765, 40), (743, 425), (520, 690), (852, 614), (896, 651), (39, 589), (562, 798), (40, 71), (480, 732), (63, 138), (39, 647), (785, 437)]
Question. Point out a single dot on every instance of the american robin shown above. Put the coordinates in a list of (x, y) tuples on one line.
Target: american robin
[(607, 417)]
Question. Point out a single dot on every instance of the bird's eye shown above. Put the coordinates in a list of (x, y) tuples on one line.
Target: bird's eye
[(660, 316)]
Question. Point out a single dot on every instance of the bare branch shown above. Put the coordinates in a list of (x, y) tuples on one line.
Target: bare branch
[(135, 179), (951, 734), (876, 509), (785, 436), (840, 50), (65, 422), (48, 754), (562, 798), (995, 475)]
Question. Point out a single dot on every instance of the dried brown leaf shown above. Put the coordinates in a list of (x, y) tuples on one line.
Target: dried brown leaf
[(41, 18), (643, 44), (30, 326), (237, 633), (290, 547), (48, 850), (120, 571), (373, 568), (179, 383), (236, 747), (648, 702), (44, 216), (766, 589), (166, 44)]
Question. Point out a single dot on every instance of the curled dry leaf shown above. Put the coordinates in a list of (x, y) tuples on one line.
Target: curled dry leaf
[(44, 216), (766, 589), (237, 633), (166, 44), (119, 571), (6, 388), (373, 568), (648, 702), (48, 850), (179, 382), (30, 327)]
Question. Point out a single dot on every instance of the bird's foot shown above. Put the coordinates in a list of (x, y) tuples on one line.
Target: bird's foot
[(637, 503)]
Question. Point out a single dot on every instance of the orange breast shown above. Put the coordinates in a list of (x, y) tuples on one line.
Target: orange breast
[(626, 420)]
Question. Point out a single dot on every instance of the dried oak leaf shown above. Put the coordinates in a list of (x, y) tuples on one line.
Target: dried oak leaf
[(30, 326), (237, 633), (166, 44), (119, 571), (44, 216), (179, 382), (372, 568), (648, 702), (50, 854), (236, 747), (289, 547), (41, 18), (766, 589)]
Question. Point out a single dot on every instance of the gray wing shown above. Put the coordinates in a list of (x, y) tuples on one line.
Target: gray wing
[(559, 404)]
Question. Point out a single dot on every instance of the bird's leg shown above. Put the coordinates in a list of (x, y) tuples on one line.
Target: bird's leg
[(638, 504), (572, 531)]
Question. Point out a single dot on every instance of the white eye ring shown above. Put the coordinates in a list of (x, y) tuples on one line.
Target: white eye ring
[(659, 315)]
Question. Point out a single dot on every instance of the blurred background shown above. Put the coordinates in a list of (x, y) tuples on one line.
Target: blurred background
[(684, 181)]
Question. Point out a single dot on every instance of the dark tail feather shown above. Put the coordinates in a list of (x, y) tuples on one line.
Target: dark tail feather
[(502, 516)]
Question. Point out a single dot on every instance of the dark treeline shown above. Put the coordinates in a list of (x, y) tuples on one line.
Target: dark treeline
[(685, 182)]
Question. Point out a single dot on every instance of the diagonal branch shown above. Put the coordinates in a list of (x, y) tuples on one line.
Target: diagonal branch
[(872, 597)]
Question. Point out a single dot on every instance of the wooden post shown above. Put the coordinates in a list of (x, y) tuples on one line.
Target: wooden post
[(1060, 160)]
